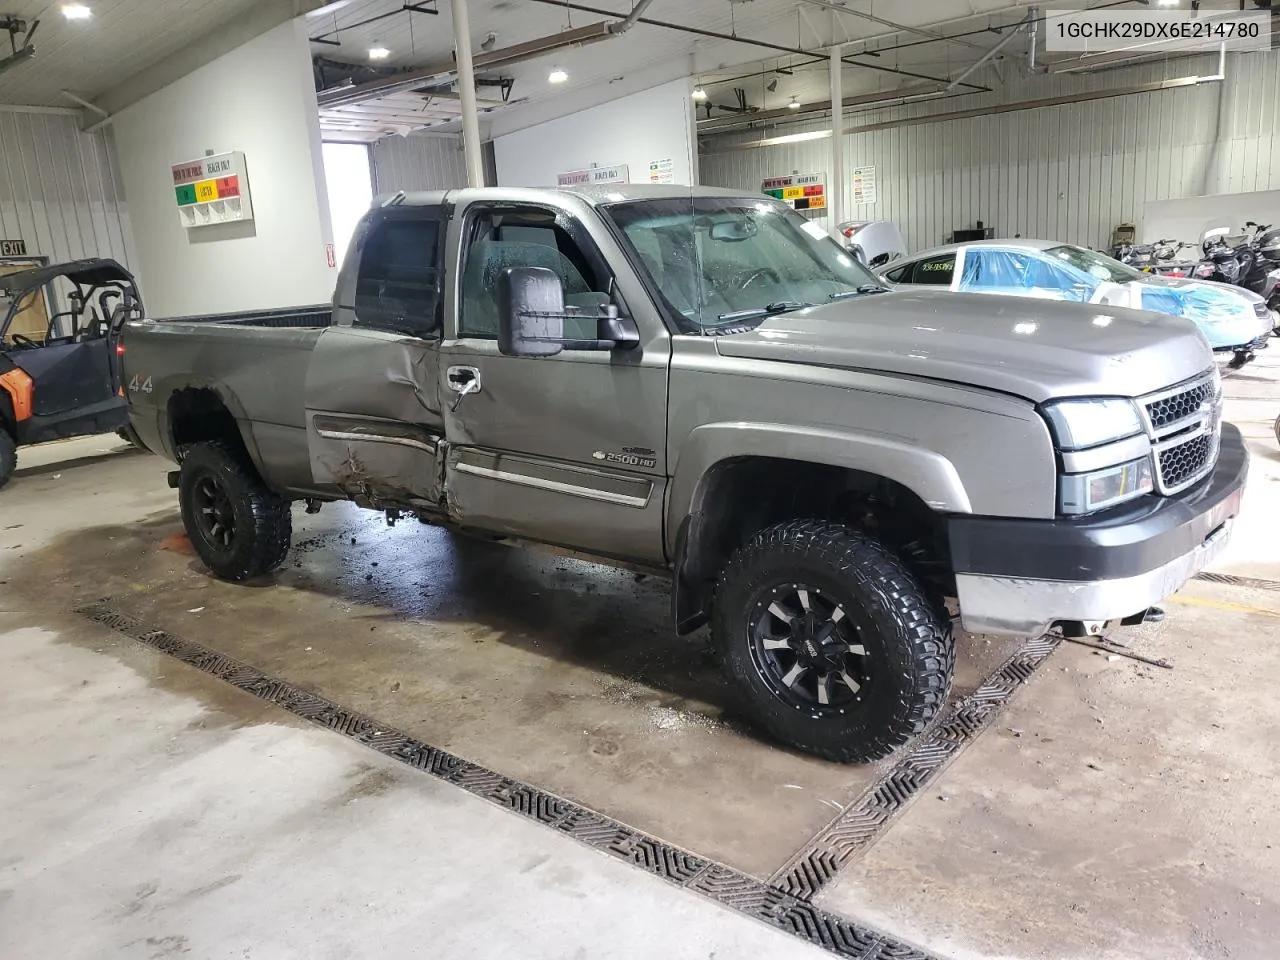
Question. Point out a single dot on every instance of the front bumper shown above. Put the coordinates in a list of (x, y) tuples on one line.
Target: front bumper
[(1022, 576)]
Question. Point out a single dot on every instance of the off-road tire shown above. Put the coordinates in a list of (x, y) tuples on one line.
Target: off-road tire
[(909, 644), (8, 456), (130, 436), (262, 524)]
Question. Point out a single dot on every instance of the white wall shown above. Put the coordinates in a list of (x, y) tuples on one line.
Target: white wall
[(1185, 219), (59, 189), (418, 162), (259, 99), (655, 124), (1069, 172)]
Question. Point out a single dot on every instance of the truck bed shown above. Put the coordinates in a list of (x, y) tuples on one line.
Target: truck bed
[(319, 315), (255, 363)]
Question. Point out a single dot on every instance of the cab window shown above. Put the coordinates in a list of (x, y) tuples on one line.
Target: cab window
[(398, 287), (499, 238)]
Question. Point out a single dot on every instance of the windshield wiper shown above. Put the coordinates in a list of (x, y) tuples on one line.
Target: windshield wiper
[(772, 309), (860, 291)]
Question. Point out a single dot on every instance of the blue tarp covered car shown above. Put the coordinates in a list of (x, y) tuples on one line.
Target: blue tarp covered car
[(1232, 319)]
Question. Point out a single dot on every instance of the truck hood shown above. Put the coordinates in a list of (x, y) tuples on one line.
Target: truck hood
[(1037, 349)]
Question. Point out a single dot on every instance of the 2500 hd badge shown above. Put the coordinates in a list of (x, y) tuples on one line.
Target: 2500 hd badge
[(629, 457)]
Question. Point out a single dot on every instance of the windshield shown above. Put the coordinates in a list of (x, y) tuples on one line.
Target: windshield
[(720, 262), (1097, 265)]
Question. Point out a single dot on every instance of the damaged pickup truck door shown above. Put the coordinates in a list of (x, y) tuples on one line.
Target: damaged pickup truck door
[(566, 448), (373, 411)]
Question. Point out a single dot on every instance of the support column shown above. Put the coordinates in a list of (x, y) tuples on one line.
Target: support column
[(467, 94), (835, 212)]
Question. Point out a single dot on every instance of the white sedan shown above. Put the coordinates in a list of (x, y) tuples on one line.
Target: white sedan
[(1233, 320)]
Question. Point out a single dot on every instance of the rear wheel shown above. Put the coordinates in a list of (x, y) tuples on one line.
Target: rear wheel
[(8, 456), (130, 436), (239, 528), (833, 644)]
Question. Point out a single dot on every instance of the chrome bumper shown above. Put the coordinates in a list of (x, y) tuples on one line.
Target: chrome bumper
[(1027, 608)]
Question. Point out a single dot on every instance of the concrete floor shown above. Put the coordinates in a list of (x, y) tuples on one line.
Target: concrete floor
[(1115, 810)]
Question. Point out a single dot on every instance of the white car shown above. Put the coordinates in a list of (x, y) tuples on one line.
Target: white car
[(1234, 320)]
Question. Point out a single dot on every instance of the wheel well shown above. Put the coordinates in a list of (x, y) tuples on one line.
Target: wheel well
[(198, 415), (742, 496)]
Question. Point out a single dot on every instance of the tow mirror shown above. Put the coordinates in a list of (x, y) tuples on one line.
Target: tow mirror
[(530, 312), (532, 316)]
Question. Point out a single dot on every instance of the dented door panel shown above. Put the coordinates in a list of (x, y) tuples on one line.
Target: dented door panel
[(609, 512), (374, 424)]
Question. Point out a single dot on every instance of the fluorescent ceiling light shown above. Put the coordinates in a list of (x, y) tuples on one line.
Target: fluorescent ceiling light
[(794, 104), (793, 138), (699, 94), (557, 76), (378, 51), (1166, 3), (76, 11)]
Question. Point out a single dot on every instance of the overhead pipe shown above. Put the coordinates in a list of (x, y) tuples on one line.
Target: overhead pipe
[(1083, 97), (764, 44), (861, 101), (989, 29), (442, 70), (986, 57), (1123, 61), (622, 26), (900, 27)]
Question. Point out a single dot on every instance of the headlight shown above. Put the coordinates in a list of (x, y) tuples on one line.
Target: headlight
[(1087, 492), (1081, 424)]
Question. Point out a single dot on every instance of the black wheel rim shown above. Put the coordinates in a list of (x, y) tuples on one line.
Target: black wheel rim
[(809, 650), (213, 513)]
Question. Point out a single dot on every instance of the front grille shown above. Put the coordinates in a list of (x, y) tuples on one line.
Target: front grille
[(1183, 464), (1173, 408), (1259, 343), (1184, 424)]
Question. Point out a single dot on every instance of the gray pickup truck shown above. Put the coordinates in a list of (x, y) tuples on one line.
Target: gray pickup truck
[(702, 383)]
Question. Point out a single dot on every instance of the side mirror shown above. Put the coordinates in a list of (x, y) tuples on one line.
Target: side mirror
[(530, 312)]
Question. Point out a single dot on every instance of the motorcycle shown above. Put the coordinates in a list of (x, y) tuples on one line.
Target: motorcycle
[(1149, 257), (1263, 276)]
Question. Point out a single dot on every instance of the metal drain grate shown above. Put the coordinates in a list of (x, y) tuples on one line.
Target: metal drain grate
[(1252, 582), (779, 908), (863, 822)]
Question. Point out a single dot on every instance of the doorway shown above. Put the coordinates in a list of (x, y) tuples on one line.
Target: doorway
[(349, 180)]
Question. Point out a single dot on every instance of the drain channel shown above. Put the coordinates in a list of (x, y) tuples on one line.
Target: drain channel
[(780, 908), (1229, 578), (865, 820)]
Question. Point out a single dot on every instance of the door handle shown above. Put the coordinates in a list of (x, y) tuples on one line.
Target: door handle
[(463, 381)]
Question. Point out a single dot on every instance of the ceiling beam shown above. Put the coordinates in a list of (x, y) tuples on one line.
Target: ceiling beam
[(748, 41), (258, 19)]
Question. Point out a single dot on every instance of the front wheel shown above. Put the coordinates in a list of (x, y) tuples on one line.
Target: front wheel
[(238, 527), (833, 644)]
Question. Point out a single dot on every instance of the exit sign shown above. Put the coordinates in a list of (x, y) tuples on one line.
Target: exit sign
[(212, 190), (13, 248)]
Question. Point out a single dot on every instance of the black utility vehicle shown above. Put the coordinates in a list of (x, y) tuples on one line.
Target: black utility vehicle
[(60, 353)]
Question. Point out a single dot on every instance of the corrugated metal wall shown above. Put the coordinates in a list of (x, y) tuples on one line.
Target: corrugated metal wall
[(1068, 172), (418, 163), (59, 189)]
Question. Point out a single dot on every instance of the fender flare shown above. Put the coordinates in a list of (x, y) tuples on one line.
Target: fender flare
[(929, 475)]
